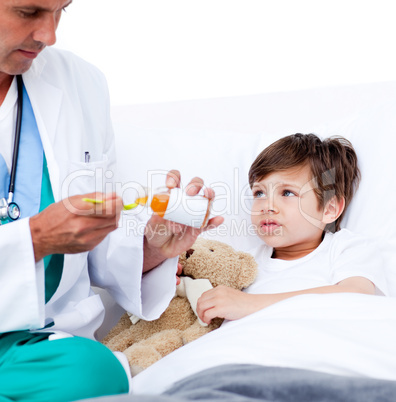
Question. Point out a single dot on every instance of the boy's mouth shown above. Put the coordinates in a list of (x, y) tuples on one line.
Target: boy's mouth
[(269, 226), (269, 222)]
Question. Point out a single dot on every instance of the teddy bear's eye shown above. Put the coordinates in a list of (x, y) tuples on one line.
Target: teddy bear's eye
[(211, 250), (189, 253)]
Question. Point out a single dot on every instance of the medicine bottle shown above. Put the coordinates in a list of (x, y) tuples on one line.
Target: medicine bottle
[(175, 205)]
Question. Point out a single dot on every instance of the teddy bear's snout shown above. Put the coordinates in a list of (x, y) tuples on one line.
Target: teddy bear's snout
[(189, 253)]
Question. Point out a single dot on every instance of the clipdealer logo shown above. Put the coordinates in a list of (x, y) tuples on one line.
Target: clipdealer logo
[(232, 201)]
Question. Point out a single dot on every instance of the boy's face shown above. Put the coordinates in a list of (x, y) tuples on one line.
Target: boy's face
[(286, 212)]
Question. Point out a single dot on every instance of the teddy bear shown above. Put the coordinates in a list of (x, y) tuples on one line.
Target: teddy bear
[(206, 264)]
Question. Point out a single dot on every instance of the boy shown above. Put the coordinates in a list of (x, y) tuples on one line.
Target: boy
[(301, 188)]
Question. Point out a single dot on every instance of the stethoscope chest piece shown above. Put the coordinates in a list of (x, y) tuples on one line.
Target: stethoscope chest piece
[(9, 210)]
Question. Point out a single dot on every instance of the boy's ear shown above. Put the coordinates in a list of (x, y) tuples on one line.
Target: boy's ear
[(333, 209)]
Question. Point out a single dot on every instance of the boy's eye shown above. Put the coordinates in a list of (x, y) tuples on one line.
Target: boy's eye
[(288, 193), (258, 194)]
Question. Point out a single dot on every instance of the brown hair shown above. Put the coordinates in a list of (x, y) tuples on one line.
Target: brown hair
[(333, 163)]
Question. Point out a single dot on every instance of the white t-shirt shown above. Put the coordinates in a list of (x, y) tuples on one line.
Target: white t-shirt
[(341, 255)]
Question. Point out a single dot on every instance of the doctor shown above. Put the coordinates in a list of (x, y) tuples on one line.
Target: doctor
[(60, 245)]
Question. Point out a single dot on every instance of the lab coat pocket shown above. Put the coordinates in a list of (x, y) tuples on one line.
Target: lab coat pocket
[(86, 177)]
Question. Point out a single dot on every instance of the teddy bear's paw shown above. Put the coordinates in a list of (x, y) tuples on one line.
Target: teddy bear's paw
[(144, 353), (140, 357)]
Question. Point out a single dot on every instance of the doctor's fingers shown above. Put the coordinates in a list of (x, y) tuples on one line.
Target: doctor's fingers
[(173, 179), (94, 205), (73, 243), (55, 232), (213, 223), (89, 227), (196, 185), (87, 241)]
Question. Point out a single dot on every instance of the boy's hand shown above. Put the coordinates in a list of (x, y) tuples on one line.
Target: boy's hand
[(225, 302)]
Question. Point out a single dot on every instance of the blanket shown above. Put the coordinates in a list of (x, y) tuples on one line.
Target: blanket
[(252, 383), (341, 334)]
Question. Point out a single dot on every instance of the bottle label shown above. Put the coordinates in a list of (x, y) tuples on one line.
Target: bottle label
[(187, 210)]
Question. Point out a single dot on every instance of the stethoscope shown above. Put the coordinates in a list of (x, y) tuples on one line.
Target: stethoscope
[(8, 208)]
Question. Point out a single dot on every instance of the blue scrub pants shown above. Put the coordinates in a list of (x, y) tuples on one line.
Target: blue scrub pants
[(32, 368)]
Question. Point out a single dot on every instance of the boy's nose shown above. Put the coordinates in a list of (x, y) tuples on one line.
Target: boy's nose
[(269, 211), (269, 207)]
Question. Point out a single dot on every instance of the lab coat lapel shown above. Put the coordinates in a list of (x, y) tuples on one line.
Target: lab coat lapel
[(46, 103)]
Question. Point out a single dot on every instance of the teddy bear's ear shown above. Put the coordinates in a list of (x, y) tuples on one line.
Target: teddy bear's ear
[(248, 269)]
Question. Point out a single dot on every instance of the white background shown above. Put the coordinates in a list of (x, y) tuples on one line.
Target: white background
[(167, 50)]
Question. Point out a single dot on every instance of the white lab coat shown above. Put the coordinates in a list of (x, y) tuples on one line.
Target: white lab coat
[(71, 105)]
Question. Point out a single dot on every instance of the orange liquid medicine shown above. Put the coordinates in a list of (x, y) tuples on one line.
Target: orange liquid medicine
[(176, 206)]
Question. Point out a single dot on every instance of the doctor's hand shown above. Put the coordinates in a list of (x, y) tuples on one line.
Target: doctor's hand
[(73, 226), (164, 239)]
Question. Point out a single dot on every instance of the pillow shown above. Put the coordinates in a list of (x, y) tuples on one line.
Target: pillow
[(372, 210), (222, 157)]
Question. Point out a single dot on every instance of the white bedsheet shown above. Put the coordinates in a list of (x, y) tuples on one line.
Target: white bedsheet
[(344, 334)]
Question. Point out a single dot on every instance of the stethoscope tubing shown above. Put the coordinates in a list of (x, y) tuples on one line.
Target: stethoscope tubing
[(8, 207), (18, 126)]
